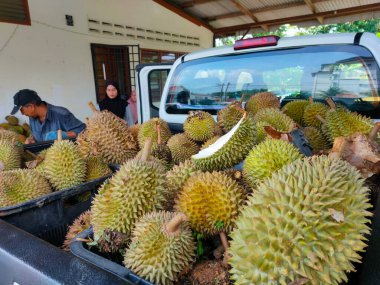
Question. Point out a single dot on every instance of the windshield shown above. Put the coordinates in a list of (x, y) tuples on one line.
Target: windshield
[(347, 73)]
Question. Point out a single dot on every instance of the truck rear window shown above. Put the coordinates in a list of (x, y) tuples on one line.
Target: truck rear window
[(347, 73)]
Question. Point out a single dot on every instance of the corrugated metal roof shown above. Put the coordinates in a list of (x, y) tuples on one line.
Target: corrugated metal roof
[(237, 16)]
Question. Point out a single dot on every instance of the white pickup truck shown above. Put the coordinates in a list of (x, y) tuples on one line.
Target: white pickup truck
[(344, 67)]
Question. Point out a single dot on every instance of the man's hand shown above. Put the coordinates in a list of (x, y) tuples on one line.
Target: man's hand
[(30, 140)]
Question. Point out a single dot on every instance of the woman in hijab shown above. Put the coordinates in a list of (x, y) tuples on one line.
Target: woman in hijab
[(114, 103)]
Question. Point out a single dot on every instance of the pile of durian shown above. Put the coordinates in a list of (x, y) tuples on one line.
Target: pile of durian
[(12, 124), (284, 219)]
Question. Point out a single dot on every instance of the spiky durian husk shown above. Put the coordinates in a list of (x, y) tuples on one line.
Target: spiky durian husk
[(175, 178), (229, 116), (209, 142), (238, 176), (79, 225), (162, 152), (21, 185), (343, 123), (232, 152), (85, 147), (134, 129), (137, 188), (262, 100), (156, 255), (266, 158), (96, 168), (12, 120), (182, 147), (295, 110), (199, 126), (276, 119), (310, 113), (306, 223), (10, 157), (64, 166), (218, 131), (111, 137), (261, 134), (9, 135), (316, 139), (149, 130), (211, 201)]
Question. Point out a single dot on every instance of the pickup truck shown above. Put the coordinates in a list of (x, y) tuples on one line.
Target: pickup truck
[(344, 67)]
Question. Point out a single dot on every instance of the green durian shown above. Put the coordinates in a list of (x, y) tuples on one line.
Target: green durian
[(229, 116), (266, 158), (149, 130), (21, 185), (211, 201), (10, 155), (162, 247), (199, 126), (64, 166), (9, 135), (12, 120), (160, 150), (182, 147), (262, 100), (316, 139), (306, 224), (229, 149), (295, 110), (96, 168), (312, 111)]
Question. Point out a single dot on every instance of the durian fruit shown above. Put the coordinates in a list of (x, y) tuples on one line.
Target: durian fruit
[(313, 112), (211, 201), (26, 128), (134, 129), (111, 137), (162, 247), (8, 135), (175, 179), (274, 118), (229, 149), (64, 166), (261, 101), (86, 148), (160, 150), (181, 147), (10, 155), (268, 157), (80, 224), (149, 130), (229, 116), (238, 176), (137, 188), (209, 142), (218, 131), (21, 185), (316, 139), (12, 120), (304, 225), (199, 126), (96, 168), (295, 110)]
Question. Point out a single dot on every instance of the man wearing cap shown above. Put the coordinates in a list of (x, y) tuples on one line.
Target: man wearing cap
[(45, 119)]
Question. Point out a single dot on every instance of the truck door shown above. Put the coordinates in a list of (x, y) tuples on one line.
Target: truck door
[(150, 81)]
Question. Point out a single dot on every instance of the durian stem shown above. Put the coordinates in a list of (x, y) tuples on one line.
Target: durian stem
[(146, 150), (92, 106), (59, 135), (331, 103), (311, 101), (158, 127), (373, 133), (31, 154), (242, 98), (237, 174), (245, 115), (173, 225), (223, 239), (319, 118)]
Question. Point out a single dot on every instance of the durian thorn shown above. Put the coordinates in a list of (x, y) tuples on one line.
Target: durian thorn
[(158, 128), (59, 135), (331, 103), (92, 106), (373, 133), (172, 227), (319, 118), (311, 101), (146, 150)]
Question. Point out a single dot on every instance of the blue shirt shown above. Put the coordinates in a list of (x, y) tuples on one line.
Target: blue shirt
[(57, 118)]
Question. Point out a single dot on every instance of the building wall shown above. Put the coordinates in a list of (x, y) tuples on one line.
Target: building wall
[(55, 59)]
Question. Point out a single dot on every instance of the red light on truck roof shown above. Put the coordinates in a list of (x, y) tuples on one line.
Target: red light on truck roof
[(256, 42)]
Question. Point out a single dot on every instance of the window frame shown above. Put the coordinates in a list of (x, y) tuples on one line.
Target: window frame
[(27, 21)]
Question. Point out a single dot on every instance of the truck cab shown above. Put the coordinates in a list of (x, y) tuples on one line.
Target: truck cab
[(344, 67)]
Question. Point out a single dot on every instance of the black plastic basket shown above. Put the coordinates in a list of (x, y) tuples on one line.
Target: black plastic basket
[(37, 147), (78, 249), (49, 216)]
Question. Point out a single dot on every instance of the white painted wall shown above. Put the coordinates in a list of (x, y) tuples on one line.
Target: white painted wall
[(55, 59)]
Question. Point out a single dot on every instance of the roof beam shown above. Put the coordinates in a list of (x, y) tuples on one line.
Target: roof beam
[(313, 9), (248, 13), (172, 7), (281, 21), (192, 3)]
